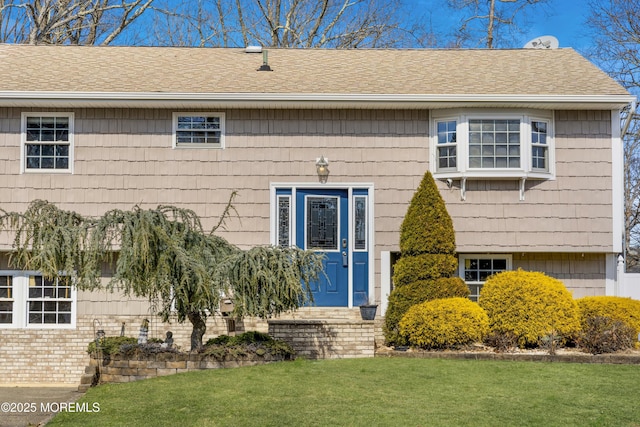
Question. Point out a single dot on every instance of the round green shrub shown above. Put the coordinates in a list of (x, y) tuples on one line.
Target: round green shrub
[(444, 323), (427, 227), (626, 310), (529, 305), (402, 298), (423, 267)]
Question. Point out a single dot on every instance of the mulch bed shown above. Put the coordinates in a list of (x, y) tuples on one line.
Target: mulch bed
[(629, 357)]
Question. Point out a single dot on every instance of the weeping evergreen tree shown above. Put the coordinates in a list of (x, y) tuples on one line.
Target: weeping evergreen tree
[(162, 254), (53, 242)]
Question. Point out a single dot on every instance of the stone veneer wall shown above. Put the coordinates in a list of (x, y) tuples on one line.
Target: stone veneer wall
[(326, 339), (37, 356)]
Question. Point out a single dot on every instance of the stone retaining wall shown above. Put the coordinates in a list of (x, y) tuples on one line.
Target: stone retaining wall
[(122, 369)]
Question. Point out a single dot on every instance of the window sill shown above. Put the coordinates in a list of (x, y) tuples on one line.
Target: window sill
[(194, 146), (494, 174)]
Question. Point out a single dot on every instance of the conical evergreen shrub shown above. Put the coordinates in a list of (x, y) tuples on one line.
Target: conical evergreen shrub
[(427, 227), (427, 261)]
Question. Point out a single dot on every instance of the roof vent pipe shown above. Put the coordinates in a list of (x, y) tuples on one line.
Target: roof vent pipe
[(265, 62)]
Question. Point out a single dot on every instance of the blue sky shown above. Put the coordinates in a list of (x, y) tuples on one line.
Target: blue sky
[(563, 19)]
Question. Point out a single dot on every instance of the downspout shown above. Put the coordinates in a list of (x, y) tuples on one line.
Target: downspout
[(627, 123)]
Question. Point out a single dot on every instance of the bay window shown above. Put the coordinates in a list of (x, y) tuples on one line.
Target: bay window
[(491, 144)]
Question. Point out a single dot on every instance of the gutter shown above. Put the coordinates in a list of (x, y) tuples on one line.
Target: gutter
[(279, 100)]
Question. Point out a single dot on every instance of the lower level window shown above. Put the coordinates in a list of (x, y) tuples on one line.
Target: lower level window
[(31, 300), (6, 300), (475, 269), (49, 301)]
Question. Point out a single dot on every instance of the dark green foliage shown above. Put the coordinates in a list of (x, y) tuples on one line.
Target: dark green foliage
[(224, 347), (249, 337), (404, 297), (110, 345), (602, 334), (423, 267), (427, 227), (427, 263)]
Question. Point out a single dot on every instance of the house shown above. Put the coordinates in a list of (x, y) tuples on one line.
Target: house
[(524, 144)]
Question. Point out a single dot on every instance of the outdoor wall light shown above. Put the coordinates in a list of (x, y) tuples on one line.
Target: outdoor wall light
[(322, 167)]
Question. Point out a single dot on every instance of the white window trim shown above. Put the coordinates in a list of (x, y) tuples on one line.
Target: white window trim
[(463, 257), (463, 171), (194, 114), (23, 141), (21, 299)]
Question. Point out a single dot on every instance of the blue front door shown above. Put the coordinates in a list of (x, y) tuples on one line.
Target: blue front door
[(322, 225)]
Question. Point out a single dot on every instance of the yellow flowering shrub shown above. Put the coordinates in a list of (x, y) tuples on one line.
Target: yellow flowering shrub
[(444, 323), (418, 292), (529, 305), (626, 310)]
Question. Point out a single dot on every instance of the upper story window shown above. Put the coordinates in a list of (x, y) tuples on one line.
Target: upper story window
[(447, 156), (492, 145), (199, 130), (539, 146), (47, 142)]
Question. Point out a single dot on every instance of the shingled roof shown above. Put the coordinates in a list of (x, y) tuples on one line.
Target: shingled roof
[(300, 75)]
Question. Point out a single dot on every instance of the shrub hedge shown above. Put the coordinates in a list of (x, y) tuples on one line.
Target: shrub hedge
[(415, 293), (602, 334), (529, 305), (423, 267), (626, 310), (444, 323)]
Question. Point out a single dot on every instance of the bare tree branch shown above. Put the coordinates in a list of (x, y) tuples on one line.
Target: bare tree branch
[(489, 20), (68, 21), (296, 23)]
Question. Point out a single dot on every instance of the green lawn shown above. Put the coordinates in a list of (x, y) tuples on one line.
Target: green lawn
[(375, 392)]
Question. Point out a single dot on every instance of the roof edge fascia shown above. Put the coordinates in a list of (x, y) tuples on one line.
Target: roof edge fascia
[(151, 98)]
